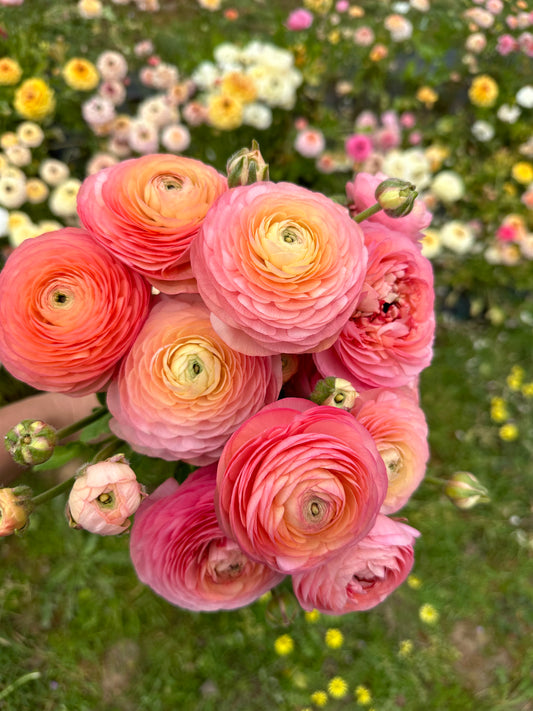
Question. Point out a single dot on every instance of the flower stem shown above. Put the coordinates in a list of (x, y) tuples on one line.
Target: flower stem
[(18, 682), (368, 212), (435, 480), (80, 424)]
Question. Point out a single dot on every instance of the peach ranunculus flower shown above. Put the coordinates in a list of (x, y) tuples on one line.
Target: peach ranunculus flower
[(181, 391), (104, 496), (297, 483), (399, 429), (280, 267), (362, 575), (69, 311), (147, 211), (389, 339), (178, 549)]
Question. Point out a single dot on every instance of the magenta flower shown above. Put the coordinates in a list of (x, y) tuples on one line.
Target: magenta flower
[(358, 147), (298, 20)]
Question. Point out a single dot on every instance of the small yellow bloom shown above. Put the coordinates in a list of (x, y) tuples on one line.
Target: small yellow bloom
[(515, 378), (239, 86), (428, 614), (414, 582), (321, 7), (498, 410), (378, 52), (80, 74), (522, 172), (10, 71), (363, 695), (337, 687), (484, 91), (509, 189), (334, 638), (284, 645), (319, 698), (36, 190), (509, 432), (334, 37), (34, 99), (527, 389), (427, 96), (8, 139), (312, 616), (224, 112), (90, 9), (406, 648)]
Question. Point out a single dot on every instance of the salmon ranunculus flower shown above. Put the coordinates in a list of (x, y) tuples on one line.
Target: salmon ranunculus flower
[(181, 391), (297, 483), (399, 429), (389, 339), (362, 575), (179, 550), (147, 211), (280, 267), (69, 311)]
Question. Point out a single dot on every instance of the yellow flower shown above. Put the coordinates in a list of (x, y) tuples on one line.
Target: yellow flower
[(209, 4), (239, 86), (284, 645), (90, 9), (10, 71), (515, 378), (406, 647), (378, 52), (527, 389), (334, 37), (334, 638), (414, 582), (484, 91), (321, 7), (312, 616), (337, 687), (522, 172), (356, 11), (509, 432), (509, 189), (224, 112), (80, 74), (319, 698), (34, 99), (36, 190), (498, 410), (435, 154), (428, 614), (427, 96), (8, 139), (363, 695)]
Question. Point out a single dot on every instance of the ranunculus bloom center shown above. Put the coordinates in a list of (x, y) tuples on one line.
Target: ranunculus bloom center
[(225, 560), (393, 461), (193, 368), (314, 503), (286, 249)]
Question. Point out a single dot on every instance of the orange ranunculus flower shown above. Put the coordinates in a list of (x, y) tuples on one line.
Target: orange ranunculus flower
[(69, 311), (34, 99), (147, 211)]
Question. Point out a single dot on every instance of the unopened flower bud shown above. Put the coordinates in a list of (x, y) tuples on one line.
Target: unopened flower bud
[(104, 496), (247, 166), (335, 392), (31, 442), (465, 491), (396, 197), (15, 509)]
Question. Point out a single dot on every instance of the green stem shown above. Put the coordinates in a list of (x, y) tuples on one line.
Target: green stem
[(435, 480), (80, 424), (368, 212), (18, 682)]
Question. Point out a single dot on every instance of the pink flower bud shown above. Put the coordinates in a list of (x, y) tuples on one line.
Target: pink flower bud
[(104, 496)]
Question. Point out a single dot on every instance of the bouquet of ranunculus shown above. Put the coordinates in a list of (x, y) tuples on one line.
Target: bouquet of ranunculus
[(278, 356)]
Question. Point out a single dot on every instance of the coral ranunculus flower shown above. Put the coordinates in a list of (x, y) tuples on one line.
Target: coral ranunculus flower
[(280, 267), (34, 99), (69, 311), (297, 483), (389, 339), (363, 575), (147, 211), (181, 391), (179, 550)]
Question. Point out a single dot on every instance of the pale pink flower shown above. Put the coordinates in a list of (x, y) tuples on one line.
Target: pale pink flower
[(408, 120), (399, 27), (476, 42), (280, 267), (178, 549), (366, 120), (506, 44), (99, 161), (143, 48), (299, 20), (104, 496), (342, 5), (114, 91), (364, 36), (525, 42), (112, 65), (494, 6), (195, 113), (98, 111), (363, 575), (310, 142), (7, 3), (143, 137), (387, 138), (298, 482), (176, 138), (358, 146), (415, 138)]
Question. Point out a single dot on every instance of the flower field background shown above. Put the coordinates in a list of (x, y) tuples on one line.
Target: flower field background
[(430, 91)]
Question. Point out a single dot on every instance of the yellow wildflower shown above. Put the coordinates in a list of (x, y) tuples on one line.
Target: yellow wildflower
[(36, 190), (509, 432), (8, 139), (312, 616), (414, 582), (239, 86), (527, 389), (334, 638), (34, 99), (284, 645), (522, 172), (319, 698), (515, 377), (10, 71), (363, 695), (427, 96), (428, 614), (321, 7), (498, 409), (484, 91), (224, 112), (337, 687), (509, 189), (406, 647), (80, 74), (334, 37)]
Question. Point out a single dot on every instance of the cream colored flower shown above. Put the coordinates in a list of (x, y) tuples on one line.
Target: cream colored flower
[(457, 236), (36, 190), (18, 155), (53, 171), (63, 198), (30, 134)]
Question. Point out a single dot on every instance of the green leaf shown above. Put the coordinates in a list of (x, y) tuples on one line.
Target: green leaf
[(64, 453), (95, 429)]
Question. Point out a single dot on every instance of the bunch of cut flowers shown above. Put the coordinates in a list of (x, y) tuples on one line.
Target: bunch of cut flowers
[(263, 334)]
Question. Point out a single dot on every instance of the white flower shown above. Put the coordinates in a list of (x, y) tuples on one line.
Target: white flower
[(524, 96), (457, 236), (53, 171), (18, 234), (448, 186), (4, 221), (63, 198), (205, 75), (227, 54), (257, 115), (18, 155), (431, 243), (411, 165), (12, 188), (507, 113), (157, 111), (483, 131)]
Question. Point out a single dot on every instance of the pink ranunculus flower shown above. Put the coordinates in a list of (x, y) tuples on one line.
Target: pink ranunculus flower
[(363, 575), (179, 550), (280, 267), (69, 312), (506, 44), (399, 428), (299, 19), (361, 194), (358, 146), (181, 391), (104, 496), (7, 3), (389, 339), (298, 482), (146, 211)]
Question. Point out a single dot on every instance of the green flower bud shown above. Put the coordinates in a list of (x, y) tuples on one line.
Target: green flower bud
[(396, 197), (335, 392), (31, 442), (465, 491), (247, 166)]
